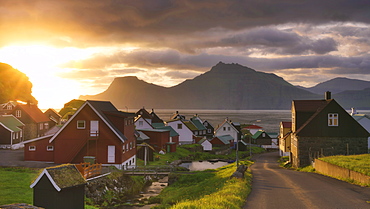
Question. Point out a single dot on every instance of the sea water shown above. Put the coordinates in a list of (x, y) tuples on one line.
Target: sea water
[(269, 120)]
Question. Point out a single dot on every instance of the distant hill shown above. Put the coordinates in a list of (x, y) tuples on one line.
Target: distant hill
[(14, 85), (225, 86), (338, 85)]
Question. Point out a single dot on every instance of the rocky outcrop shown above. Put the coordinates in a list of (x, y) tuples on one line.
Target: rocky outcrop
[(239, 173)]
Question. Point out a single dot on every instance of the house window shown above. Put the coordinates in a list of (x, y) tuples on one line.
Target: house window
[(228, 128), (224, 128), (333, 119), (46, 126), (209, 130), (263, 134), (123, 148), (32, 148), (41, 126), (94, 128), (49, 148), (80, 124), (195, 133), (130, 145), (205, 124), (18, 113), (140, 123), (179, 126), (9, 107)]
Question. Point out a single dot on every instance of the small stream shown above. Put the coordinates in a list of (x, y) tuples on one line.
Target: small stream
[(156, 187)]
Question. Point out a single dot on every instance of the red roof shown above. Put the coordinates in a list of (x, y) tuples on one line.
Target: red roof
[(252, 127), (34, 112)]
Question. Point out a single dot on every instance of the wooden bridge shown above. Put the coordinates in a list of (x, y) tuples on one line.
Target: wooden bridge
[(149, 170)]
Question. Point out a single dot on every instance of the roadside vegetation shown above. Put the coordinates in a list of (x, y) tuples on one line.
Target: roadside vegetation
[(210, 189)]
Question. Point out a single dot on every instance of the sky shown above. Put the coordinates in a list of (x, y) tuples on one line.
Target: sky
[(69, 48)]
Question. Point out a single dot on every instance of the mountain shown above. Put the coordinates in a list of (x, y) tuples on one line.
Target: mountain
[(225, 86), (14, 85), (338, 85)]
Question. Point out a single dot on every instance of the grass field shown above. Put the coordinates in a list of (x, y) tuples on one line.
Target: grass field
[(208, 190), (359, 163), (15, 185)]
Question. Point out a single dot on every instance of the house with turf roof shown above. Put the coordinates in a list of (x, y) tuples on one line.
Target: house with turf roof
[(59, 187), (324, 128), (11, 131)]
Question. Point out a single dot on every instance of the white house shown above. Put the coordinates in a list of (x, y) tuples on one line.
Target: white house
[(364, 121), (185, 134), (227, 128), (142, 123), (207, 145)]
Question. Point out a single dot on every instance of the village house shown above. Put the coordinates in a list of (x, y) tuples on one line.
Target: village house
[(262, 138), (229, 128), (210, 129), (186, 135), (11, 131), (225, 141), (97, 130), (284, 138), (59, 187), (324, 128), (363, 120), (160, 139), (54, 117), (206, 144), (36, 123), (7, 108), (253, 129)]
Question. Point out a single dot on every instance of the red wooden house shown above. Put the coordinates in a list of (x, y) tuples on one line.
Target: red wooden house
[(160, 139), (96, 130)]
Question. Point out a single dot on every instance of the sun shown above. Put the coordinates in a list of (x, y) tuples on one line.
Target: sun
[(40, 63)]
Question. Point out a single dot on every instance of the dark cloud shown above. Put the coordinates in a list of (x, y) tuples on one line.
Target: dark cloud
[(141, 22)]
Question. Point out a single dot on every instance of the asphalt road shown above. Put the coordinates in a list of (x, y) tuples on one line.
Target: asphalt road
[(274, 187)]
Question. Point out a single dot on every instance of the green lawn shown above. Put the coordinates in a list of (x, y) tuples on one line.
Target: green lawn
[(359, 163), (208, 190), (15, 185)]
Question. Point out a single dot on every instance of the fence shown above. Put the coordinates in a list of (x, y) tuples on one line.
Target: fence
[(149, 169), (89, 170)]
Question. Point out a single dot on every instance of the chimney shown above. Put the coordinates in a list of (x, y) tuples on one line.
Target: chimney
[(327, 95)]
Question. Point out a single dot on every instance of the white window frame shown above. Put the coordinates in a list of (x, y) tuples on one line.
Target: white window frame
[(32, 148), (41, 125), (141, 123), (333, 119), (81, 121), (50, 148), (18, 113)]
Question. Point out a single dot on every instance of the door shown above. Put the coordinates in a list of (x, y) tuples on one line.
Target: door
[(111, 154)]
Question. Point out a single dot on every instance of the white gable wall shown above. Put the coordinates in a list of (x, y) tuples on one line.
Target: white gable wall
[(185, 134), (365, 122), (141, 123), (227, 129)]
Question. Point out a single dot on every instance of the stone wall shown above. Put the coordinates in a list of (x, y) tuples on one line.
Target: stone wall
[(310, 148), (340, 172)]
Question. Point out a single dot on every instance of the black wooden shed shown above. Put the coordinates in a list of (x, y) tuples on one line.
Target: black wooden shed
[(59, 187)]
